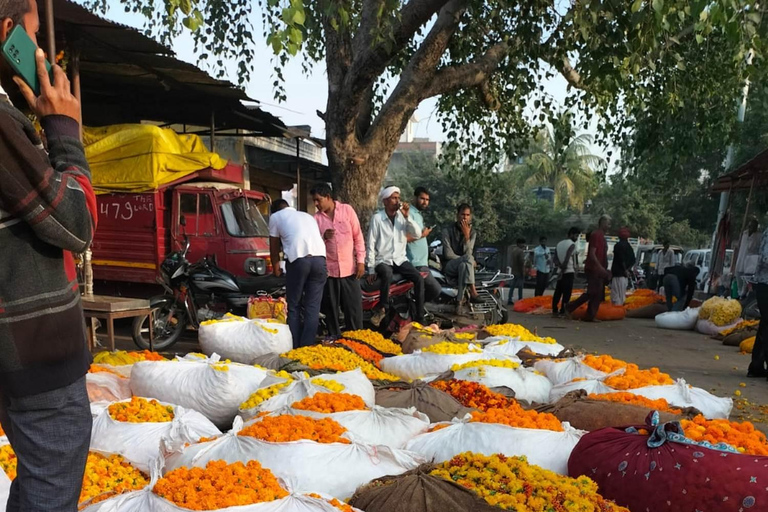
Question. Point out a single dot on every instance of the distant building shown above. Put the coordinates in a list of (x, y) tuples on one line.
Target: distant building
[(410, 145)]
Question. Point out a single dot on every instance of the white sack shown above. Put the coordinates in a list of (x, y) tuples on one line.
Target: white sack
[(681, 394), (710, 329), (511, 346), (425, 365), (678, 320), (545, 448), (592, 387), (243, 340), (104, 386), (526, 384), (562, 372)]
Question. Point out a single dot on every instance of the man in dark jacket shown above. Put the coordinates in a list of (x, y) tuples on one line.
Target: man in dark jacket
[(458, 252), (623, 261), (680, 285), (47, 212)]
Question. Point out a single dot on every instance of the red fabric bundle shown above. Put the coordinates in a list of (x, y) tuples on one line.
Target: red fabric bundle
[(663, 472)]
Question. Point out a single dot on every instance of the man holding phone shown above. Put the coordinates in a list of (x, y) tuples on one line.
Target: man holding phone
[(47, 212), (458, 252), (418, 247)]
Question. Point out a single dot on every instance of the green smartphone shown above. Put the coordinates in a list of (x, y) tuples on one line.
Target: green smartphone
[(19, 51)]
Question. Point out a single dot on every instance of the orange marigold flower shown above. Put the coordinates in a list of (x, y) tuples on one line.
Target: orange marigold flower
[(336, 503), (742, 436), (604, 363), (472, 394), (515, 416), (219, 485), (634, 378), (8, 461), (106, 477), (363, 351), (330, 403), (141, 410), (287, 428), (632, 399)]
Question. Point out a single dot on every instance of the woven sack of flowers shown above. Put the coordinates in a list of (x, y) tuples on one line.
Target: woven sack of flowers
[(437, 405)]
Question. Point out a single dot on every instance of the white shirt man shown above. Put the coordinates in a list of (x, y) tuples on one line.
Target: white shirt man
[(297, 234)]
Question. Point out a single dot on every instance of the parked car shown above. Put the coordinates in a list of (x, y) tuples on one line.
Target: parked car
[(648, 260), (702, 258)]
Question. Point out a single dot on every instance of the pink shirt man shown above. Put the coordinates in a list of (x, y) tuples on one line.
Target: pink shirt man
[(347, 246)]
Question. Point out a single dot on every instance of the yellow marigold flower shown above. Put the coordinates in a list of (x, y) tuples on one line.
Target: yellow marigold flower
[(376, 340), (264, 394), (319, 357), (497, 363), (450, 348), (141, 410), (331, 385)]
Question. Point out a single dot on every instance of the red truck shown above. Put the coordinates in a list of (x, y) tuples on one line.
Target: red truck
[(137, 231)]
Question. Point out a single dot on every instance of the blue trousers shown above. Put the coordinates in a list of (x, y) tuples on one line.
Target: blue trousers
[(672, 289), (50, 434), (304, 282)]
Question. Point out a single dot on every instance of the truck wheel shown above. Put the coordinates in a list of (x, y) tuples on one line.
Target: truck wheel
[(167, 330)]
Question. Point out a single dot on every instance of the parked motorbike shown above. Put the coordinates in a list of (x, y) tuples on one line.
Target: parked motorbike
[(196, 293), (490, 305), (402, 306)]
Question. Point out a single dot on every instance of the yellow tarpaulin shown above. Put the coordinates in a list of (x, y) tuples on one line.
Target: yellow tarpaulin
[(140, 158)]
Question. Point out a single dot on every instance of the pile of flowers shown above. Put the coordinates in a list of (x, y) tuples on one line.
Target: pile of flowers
[(450, 348), (330, 385), (498, 363), (472, 394), (515, 416), (720, 311), (264, 394), (106, 477), (8, 461), (641, 298), (531, 304), (330, 403), (634, 378), (123, 358), (362, 350), (605, 363), (287, 428), (219, 485), (141, 410), (741, 326), (517, 331), (103, 369), (742, 436), (465, 336), (319, 357), (632, 399), (376, 340), (510, 483)]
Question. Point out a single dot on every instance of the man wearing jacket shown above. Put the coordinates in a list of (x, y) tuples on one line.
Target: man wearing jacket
[(47, 212)]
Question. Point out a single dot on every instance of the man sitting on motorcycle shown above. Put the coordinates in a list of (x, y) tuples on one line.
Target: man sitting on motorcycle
[(387, 241), (458, 252)]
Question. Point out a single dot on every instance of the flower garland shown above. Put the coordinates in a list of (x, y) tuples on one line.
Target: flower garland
[(510, 483), (659, 404), (450, 348), (264, 394), (141, 410), (123, 358), (517, 331), (319, 357), (219, 485), (363, 351), (376, 340), (287, 428), (497, 363), (472, 394), (516, 416), (634, 378), (106, 477), (330, 385), (331, 403), (742, 436), (8, 461)]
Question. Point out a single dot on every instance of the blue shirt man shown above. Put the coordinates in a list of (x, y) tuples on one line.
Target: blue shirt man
[(418, 248), (542, 261)]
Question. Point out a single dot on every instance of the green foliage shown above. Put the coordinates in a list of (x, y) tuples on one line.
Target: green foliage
[(561, 159), (631, 205)]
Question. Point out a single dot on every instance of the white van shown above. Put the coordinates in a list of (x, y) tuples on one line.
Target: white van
[(702, 258)]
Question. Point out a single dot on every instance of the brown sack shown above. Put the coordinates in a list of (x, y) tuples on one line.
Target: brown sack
[(587, 414), (735, 339), (417, 491), (649, 311), (437, 405)]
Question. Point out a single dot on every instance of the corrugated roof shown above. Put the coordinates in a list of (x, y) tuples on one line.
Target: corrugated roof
[(128, 77), (754, 172)]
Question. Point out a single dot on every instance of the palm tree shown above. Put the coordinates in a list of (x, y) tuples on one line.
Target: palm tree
[(560, 159)]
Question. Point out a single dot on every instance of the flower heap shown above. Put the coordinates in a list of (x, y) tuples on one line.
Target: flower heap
[(642, 298), (141, 410), (472, 394), (219, 485), (331, 403), (515, 416), (517, 331), (287, 428), (450, 348), (604, 363), (741, 326), (106, 477), (496, 363), (330, 385), (319, 357), (634, 378), (632, 399), (510, 483), (720, 311), (123, 358), (375, 340), (264, 394), (742, 436), (465, 336), (362, 350), (102, 369), (8, 461)]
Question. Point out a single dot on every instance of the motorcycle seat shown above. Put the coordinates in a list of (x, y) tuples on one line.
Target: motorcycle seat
[(374, 287), (254, 285)]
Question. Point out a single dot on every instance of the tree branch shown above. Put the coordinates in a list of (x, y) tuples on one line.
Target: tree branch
[(369, 22), (452, 78)]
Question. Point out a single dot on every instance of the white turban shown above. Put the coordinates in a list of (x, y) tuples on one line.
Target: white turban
[(387, 193)]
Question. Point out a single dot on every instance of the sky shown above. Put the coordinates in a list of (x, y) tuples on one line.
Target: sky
[(307, 94)]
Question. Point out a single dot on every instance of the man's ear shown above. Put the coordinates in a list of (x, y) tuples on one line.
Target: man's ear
[(6, 25)]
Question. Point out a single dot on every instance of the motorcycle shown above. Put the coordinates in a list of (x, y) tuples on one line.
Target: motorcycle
[(196, 293), (490, 305), (402, 306)]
